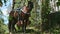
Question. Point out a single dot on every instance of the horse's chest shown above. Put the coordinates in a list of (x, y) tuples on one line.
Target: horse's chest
[(23, 15)]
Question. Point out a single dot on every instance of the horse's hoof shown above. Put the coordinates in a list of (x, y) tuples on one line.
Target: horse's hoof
[(10, 32)]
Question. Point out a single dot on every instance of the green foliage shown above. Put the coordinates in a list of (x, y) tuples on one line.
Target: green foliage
[(0, 3), (45, 11), (4, 1), (50, 22), (58, 3), (1, 26)]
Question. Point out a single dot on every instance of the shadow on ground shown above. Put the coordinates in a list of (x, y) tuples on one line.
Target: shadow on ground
[(30, 31), (27, 31)]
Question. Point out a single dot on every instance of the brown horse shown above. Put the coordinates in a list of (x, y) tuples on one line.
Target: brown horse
[(12, 20), (21, 19), (25, 14)]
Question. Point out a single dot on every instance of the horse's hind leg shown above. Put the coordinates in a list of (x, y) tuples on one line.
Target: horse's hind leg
[(9, 27), (13, 27)]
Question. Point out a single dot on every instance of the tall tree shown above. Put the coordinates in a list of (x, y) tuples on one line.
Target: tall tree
[(44, 13), (58, 4), (0, 3)]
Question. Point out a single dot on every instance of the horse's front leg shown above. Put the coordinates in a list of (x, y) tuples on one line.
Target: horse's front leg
[(24, 27)]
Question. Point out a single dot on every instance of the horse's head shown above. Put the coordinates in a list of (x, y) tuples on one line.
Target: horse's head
[(28, 8), (30, 5), (25, 9)]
